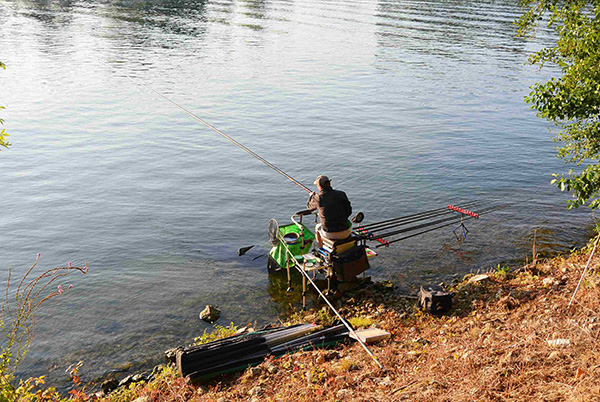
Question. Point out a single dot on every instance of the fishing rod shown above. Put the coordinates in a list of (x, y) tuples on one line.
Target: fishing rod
[(457, 220), (423, 225), (441, 223), (402, 221), (216, 130), (415, 216)]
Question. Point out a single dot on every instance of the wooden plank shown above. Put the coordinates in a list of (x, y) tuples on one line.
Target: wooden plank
[(371, 335)]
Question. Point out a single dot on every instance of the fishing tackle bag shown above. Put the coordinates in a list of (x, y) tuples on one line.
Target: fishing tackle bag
[(434, 299), (350, 263)]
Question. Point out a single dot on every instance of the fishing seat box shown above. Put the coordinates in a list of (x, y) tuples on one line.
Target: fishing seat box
[(348, 264), (338, 246), (434, 299)]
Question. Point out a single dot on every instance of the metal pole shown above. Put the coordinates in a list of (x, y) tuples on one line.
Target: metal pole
[(584, 271)]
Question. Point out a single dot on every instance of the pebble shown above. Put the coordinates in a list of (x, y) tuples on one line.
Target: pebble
[(256, 391), (210, 314), (125, 381), (559, 343), (138, 378), (272, 369)]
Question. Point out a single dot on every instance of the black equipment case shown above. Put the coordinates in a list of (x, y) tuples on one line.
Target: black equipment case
[(434, 299)]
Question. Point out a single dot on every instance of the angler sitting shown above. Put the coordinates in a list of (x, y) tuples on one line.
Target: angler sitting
[(333, 208)]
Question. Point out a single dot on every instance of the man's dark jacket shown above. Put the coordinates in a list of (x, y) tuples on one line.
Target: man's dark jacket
[(333, 207)]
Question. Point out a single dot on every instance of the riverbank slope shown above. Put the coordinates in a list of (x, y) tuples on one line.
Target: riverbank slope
[(510, 336)]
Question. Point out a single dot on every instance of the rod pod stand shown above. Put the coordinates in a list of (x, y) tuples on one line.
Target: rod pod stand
[(462, 226)]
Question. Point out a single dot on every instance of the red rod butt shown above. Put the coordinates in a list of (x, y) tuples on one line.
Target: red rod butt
[(463, 211)]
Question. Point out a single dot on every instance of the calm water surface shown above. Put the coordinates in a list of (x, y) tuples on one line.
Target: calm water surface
[(407, 105)]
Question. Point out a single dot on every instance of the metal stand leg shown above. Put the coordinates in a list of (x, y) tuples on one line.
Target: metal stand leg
[(304, 292), (464, 230), (289, 275)]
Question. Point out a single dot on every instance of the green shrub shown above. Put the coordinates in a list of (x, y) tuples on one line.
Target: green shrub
[(218, 333)]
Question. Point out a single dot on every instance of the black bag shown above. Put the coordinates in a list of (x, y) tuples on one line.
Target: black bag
[(434, 299), (350, 263)]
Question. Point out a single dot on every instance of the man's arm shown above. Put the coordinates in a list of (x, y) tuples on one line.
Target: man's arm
[(348, 207), (313, 201)]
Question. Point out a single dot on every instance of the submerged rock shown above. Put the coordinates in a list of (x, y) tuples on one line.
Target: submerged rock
[(171, 354), (210, 314), (108, 386)]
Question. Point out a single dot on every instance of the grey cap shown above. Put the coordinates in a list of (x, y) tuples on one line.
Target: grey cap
[(323, 181)]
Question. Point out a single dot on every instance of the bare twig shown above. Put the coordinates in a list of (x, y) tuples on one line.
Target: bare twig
[(29, 295), (534, 257), (403, 387)]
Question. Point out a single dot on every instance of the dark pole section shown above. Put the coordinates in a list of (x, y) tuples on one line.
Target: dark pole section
[(442, 223), (402, 220)]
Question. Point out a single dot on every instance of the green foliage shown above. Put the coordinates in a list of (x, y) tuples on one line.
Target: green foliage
[(324, 317), (360, 322), (125, 394), (502, 271), (320, 317), (218, 333), (571, 101), (3, 134), (28, 390)]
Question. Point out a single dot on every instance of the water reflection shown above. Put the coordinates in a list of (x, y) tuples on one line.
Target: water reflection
[(184, 17), (455, 30), (286, 300), (53, 14), (256, 9)]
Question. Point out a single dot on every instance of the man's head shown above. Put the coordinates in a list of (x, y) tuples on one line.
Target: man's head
[(322, 182)]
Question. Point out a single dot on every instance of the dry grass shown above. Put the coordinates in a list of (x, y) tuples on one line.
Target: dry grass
[(492, 347)]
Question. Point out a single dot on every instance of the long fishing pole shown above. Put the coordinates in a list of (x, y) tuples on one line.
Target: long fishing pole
[(405, 220), (457, 220), (420, 215), (396, 232), (216, 130)]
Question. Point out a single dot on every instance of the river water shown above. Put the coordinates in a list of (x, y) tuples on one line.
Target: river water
[(407, 105)]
